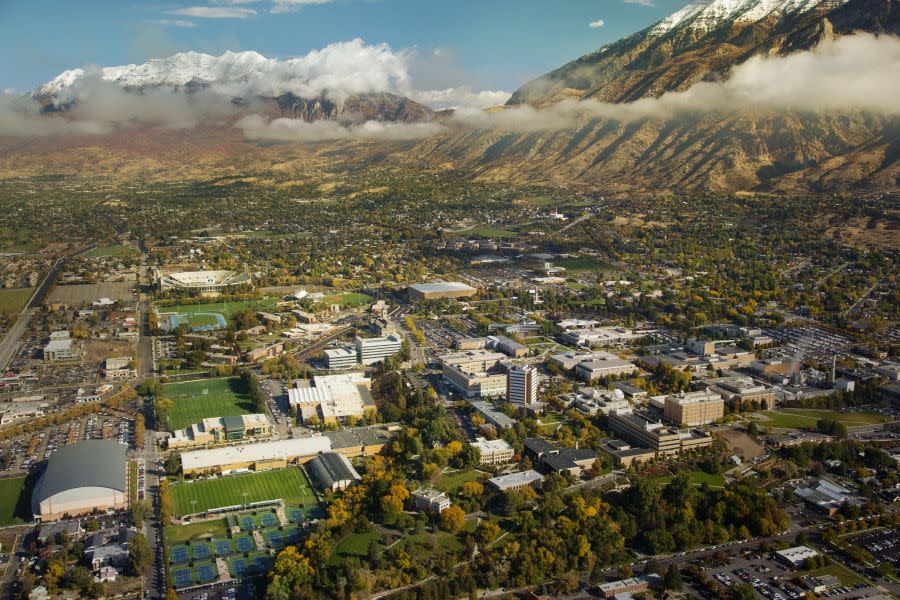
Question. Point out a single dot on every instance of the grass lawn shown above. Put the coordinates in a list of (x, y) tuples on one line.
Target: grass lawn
[(426, 544), (699, 478), (797, 418), (847, 577), (288, 484), (580, 265), (355, 544), (351, 299), (180, 534), (224, 397), (110, 251), (451, 482), (226, 309), (487, 232), (14, 501), (13, 300)]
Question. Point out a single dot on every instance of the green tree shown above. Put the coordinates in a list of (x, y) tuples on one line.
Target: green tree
[(673, 578), (139, 554)]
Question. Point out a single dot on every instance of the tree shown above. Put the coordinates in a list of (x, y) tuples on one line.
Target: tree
[(291, 572), (452, 519), (139, 554), (673, 578), (53, 573), (165, 514), (171, 594), (139, 430), (140, 510)]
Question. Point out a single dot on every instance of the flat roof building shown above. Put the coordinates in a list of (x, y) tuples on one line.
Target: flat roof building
[(665, 441), (332, 398), (340, 358), (430, 500), (362, 441), (795, 556), (492, 415), (522, 384), (215, 431), (475, 373), (516, 481), (493, 452), (440, 289), (694, 408), (59, 348), (372, 350), (258, 457), (80, 479)]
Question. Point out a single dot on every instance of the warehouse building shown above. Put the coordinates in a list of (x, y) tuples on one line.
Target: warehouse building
[(331, 471), (80, 479), (204, 282), (440, 289)]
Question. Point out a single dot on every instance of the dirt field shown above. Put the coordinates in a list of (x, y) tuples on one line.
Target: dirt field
[(89, 292), (741, 443)]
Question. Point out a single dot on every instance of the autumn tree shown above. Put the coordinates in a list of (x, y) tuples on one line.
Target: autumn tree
[(452, 519)]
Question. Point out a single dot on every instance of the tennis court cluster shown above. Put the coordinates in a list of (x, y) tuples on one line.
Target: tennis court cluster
[(194, 562)]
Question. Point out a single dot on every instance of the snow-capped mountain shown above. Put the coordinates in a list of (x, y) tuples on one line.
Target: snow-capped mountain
[(175, 71), (702, 41)]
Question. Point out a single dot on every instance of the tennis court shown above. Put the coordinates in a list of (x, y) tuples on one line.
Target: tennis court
[(247, 523), (207, 573), (245, 544), (223, 547), (179, 554), (269, 520), (238, 567), (273, 538), (262, 563), (183, 577), (201, 551)]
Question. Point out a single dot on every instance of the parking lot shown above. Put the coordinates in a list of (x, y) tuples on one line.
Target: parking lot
[(808, 342), (883, 544)]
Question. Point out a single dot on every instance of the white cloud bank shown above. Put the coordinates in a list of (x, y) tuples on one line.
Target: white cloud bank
[(257, 128), (845, 74)]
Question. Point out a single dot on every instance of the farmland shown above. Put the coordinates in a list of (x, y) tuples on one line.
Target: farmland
[(13, 300)]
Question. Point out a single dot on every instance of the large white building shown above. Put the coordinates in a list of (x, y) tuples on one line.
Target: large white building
[(257, 457), (372, 350), (201, 281), (493, 452), (601, 336), (80, 479), (476, 374), (522, 384), (59, 347), (332, 398), (340, 358)]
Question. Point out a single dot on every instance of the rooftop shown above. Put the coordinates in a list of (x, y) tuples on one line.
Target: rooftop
[(279, 449)]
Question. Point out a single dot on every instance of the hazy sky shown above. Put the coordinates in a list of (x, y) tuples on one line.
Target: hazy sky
[(486, 44)]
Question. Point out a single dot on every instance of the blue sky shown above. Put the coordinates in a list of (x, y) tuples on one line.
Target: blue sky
[(487, 44)]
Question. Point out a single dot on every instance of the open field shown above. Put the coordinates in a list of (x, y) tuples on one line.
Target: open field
[(89, 292), (355, 544), (487, 232), (226, 309), (179, 534), (741, 444), (699, 478), (350, 299), (15, 501), (13, 300), (451, 482), (580, 265), (288, 484), (847, 577), (795, 418), (108, 251), (193, 401)]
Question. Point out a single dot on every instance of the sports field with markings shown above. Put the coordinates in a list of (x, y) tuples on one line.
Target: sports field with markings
[(289, 485)]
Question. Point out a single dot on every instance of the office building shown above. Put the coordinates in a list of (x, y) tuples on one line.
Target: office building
[(475, 374), (522, 384), (118, 369), (372, 350), (507, 346), (493, 452), (664, 441), (694, 408), (59, 347), (340, 358)]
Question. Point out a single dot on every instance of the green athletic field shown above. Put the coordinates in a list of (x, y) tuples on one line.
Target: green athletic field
[(792, 418), (289, 484), (223, 397), (226, 309), (15, 501)]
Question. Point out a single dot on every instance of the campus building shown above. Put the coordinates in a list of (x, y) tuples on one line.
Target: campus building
[(372, 350), (204, 282), (332, 398), (624, 454), (59, 347), (694, 408), (522, 384), (491, 415), (664, 441), (430, 500), (340, 358), (493, 452), (592, 336), (331, 471), (362, 441), (440, 289), (516, 481), (80, 479), (254, 457), (556, 459), (475, 374), (216, 431), (118, 369)]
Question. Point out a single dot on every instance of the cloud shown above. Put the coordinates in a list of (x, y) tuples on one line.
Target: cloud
[(597, 24), (456, 97), (284, 6), (257, 128), (213, 12), (844, 74), (641, 2), (20, 116), (174, 23)]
